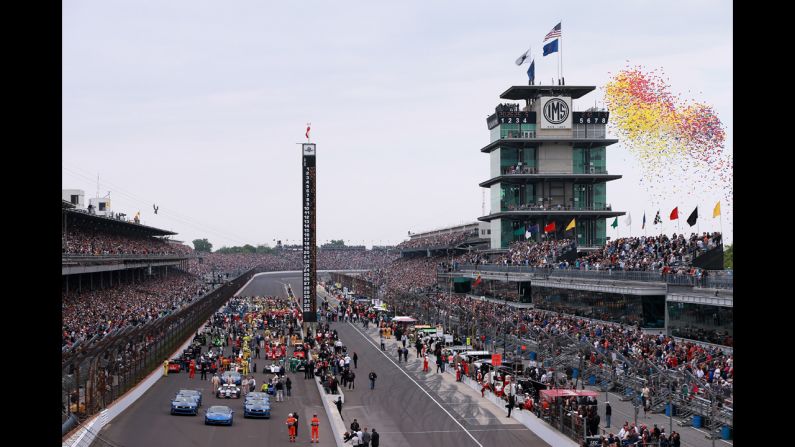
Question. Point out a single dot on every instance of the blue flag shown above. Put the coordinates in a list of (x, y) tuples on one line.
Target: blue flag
[(551, 47), (531, 72)]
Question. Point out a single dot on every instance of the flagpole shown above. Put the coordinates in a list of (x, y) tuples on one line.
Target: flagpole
[(560, 53)]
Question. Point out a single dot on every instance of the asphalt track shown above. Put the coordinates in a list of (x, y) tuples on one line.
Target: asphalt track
[(412, 408), (148, 422)]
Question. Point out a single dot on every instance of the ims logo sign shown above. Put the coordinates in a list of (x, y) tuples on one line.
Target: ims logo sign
[(556, 111)]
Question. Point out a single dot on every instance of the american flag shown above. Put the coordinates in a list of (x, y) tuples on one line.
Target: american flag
[(554, 33)]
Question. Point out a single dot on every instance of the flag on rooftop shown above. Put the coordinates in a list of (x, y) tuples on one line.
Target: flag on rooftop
[(693, 217), (523, 57), (554, 33), (551, 47)]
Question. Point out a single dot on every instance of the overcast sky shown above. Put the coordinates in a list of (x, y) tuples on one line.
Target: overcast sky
[(197, 106)]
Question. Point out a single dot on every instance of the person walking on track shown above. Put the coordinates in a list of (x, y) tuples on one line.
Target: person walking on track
[(315, 429), (372, 376), (355, 360), (374, 438), (291, 426), (165, 368)]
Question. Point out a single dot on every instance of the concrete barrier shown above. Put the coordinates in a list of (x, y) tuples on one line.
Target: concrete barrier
[(334, 416)]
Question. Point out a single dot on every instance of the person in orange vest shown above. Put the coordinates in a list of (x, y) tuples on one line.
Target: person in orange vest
[(425, 364), (192, 368), (165, 367), (315, 428), (291, 421)]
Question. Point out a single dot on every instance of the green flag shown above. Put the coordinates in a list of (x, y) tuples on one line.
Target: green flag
[(615, 223)]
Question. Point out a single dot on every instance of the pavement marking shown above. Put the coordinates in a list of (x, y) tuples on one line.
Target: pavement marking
[(367, 338), (447, 431)]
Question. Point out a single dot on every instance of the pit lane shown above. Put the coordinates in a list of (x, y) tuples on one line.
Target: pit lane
[(148, 422)]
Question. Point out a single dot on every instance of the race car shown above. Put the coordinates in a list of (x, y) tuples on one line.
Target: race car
[(257, 395), (236, 377), (184, 405), (218, 415), (174, 366), (228, 392), (257, 408), (299, 352), (194, 394), (275, 351)]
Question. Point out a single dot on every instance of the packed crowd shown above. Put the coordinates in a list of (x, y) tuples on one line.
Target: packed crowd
[(405, 274), (710, 363), (91, 241), (439, 240), (291, 260), (667, 255), (100, 312)]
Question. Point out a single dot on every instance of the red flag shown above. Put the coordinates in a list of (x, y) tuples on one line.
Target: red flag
[(550, 227), (675, 213), (477, 281), (307, 130)]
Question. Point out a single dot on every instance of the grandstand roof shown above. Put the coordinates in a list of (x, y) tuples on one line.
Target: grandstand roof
[(109, 223), (534, 91), (524, 142), (445, 230), (522, 178)]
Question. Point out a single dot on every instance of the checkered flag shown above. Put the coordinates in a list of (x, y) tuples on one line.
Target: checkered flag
[(657, 218)]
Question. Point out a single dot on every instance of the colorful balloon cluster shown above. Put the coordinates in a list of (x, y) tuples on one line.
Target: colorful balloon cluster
[(678, 142)]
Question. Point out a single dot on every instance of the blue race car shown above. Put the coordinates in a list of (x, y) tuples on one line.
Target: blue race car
[(218, 415), (258, 395), (184, 405), (257, 409), (237, 379), (195, 394)]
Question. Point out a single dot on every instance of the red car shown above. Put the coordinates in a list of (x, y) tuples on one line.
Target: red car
[(274, 352), (299, 352), (174, 366)]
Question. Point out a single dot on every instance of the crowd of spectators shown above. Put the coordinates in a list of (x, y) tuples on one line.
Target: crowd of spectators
[(327, 259), (84, 241), (438, 240), (667, 255), (99, 312), (651, 252), (710, 363)]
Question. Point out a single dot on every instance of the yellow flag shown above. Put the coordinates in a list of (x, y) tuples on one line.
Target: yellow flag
[(571, 225), (716, 211)]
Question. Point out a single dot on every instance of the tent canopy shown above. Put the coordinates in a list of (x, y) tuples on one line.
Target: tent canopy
[(555, 393), (404, 319)]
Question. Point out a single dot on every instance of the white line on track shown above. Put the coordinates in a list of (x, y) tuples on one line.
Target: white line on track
[(415, 383), (448, 431)]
